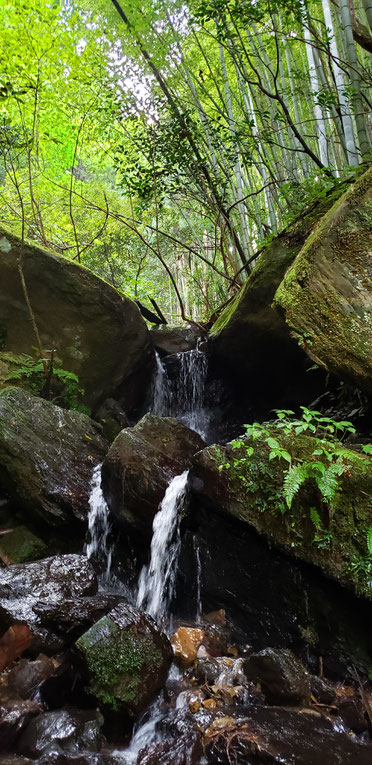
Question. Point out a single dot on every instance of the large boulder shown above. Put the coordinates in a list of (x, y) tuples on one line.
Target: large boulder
[(331, 535), (51, 582), (141, 463), (326, 295), (98, 333), (47, 456), (250, 342), (169, 340), (125, 659)]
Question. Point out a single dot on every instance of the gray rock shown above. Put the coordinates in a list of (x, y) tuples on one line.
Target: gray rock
[(282, 676)]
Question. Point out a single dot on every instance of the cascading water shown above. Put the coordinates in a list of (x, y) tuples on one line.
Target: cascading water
[(190, 390), (156, 582), (99, 525), (161, 390)]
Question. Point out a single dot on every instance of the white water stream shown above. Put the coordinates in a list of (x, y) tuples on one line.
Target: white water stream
[(157, 580), (99, 525)]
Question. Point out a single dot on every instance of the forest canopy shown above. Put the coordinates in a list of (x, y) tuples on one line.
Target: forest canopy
[(163, 144)]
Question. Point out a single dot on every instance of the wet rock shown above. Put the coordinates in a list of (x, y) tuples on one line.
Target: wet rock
[(71, 730), (98, 333), (322, 691), (20, 545), (326, 294), (350, 708), (175, 339), (47, 455), (15, 713), (125, 659), (13, 643), (281, 675), (72, 617), (112, 419), (139, 466), (27, 676), (254, 496), (53, 580), (185, 643)]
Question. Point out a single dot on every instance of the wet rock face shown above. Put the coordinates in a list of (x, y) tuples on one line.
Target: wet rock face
[(125, 659), (170, 340), (72, 730), (52, 581), (140, 465), (266, 736), (98, 333), (326, 294), (282, 676), (254, 495), (47, 455), (20, 545), (15, 713)]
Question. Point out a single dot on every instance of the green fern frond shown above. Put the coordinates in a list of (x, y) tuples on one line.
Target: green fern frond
[(369, 540), (294, 478), (315, 517)]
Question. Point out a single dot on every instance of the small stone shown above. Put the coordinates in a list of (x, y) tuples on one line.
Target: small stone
[(185, 643)]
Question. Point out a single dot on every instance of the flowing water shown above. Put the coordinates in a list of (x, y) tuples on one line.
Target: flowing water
[(99, 526), (161, 396), (156, 582)]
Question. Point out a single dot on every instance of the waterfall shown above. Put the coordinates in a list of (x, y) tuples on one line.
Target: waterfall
[(98, 524), (157, 580), (161, 390), (190, 388)]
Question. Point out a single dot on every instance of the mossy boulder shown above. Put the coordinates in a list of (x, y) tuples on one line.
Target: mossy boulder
[(98, 333), (326, 296), (250, 340), (139, 466), (20, 544), (47, 456), (250, 489), (125, 659)]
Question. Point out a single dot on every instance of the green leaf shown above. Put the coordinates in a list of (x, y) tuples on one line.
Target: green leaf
[(293, 480)]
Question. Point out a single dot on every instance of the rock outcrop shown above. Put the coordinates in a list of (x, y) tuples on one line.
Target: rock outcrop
[(98, 333), (250, 342), (47, 456), (326, 295), (140, 465), (334, 537), (125, 659)]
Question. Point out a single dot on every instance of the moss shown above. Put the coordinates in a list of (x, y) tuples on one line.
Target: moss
[(20, 545)]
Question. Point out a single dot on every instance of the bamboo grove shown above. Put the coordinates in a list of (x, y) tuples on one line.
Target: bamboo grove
[(163, 144)]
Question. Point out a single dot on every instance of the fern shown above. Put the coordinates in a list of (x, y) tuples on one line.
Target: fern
[(369, 540), (315, 517), (294, 478), (327, 481)]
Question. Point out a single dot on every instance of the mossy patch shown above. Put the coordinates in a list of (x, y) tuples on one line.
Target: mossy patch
[(20, 545)]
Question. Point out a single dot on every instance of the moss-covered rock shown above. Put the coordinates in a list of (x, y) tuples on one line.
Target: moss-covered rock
[(250, 488), (20, 545), (141, 463), (326, 295), (250, 339), (47, 456), (98, 333), (125, 659)]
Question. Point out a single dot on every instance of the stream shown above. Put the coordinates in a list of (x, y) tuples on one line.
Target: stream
[(209, 710)]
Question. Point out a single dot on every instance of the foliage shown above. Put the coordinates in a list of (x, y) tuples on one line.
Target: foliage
[(323, 467), (58, 385)]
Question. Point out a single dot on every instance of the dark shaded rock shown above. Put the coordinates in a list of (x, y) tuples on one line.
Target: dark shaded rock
[(184, 750), (15, 713), (26, 677), (322, 691), (266, 736), (98, 333), (351, 709), (125, 659), (175, 339), (250, 341), (326, 294), (20, 545), (254, 495), (140, 465), (72, 730), (72, 617), (112, 419), (53, 580), (282, 676), (47, 455)]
